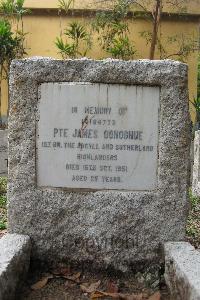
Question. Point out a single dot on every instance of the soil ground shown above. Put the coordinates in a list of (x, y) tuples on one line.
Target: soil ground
[(83, 288)]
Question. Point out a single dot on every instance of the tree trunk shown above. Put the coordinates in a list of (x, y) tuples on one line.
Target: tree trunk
[(156, 21)]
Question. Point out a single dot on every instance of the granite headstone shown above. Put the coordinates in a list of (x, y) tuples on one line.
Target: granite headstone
[(98, 159)]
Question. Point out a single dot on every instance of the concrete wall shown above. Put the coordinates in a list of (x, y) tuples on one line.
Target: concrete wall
[(192, 6)]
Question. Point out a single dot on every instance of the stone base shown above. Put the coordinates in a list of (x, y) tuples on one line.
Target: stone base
[(182, 271), (14, 263)]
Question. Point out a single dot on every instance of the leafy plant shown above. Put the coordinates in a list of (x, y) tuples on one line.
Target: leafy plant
[(7, 8), (191, 230), (74, 41), (3, 185), (11, 41), (195, 201), (121, 48), (196, 105), (184, 45), (3, 224), (113, 31), (193, 224), (65, 5), (153, 12), (3, 201), (66, 50), (76, 38), (10, 44)]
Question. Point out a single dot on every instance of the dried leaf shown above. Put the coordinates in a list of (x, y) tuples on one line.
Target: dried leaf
[(119, 296), (3, 232), (156, 296), (63, 271), (135, 297), (130, 297), (112, 287), (70, 284), (90, 288), (100, 294), (97, 294), (74, 277), (84, 288), (42, 282)]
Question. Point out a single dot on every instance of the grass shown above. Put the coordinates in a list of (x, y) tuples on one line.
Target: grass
[(3, 185), (3, 202), (3, 223), (193, 224)]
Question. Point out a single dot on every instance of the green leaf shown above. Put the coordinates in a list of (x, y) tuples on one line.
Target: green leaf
[(76, 38), (65, 5), (3, 185), (76, 31), (3, 201)]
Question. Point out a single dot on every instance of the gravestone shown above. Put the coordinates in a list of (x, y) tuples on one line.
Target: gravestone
[(98, 159), (3, 153), (196, 166)]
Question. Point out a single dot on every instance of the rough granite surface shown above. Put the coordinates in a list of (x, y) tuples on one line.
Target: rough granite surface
[(196, 165), (182, 271), (14, 263), (117, 229)]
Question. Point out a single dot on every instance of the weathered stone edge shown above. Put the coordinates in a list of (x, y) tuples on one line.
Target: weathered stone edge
[(34, 68), (196, 165), (14, 263), (182, 270)]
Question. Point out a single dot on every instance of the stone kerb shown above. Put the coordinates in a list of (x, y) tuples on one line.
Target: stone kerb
[(182, 271), (14, 264), (196, 165), (107, 227)]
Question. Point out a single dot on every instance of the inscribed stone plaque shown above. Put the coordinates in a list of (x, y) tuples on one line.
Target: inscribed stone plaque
[(97, 136)]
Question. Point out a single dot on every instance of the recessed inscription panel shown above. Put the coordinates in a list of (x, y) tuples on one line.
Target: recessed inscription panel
[(97, 136)]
